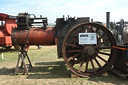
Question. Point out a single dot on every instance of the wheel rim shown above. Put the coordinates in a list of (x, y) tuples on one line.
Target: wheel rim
[(89, 60)]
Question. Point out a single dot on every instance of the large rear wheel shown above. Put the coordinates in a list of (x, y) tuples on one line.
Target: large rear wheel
[(89, 59)]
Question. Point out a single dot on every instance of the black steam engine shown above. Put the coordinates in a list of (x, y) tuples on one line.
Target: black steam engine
[(119, 29), (120, 32)]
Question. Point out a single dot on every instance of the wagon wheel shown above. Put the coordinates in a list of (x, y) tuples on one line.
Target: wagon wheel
[(89, 60)]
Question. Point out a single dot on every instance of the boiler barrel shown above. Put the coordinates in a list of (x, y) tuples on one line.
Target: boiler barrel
[(37, 36)]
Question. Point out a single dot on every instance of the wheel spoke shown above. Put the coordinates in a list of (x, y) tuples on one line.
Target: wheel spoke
[(102, 59), (94, 70), (104, 53), (83, 30), (76, 31), (101, 36), (103, 42), (72, 45), (91, 29), (71, 58), (97, 30), (73, 51), (105, 48), (76, 61), (75, 40), (72, 64), (86, 68), (82, 62), (97, 62)]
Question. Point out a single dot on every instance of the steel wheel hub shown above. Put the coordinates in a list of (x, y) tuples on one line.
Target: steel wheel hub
[(89, 50)]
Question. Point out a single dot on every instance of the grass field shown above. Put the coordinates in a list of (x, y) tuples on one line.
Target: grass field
[(47, 70)]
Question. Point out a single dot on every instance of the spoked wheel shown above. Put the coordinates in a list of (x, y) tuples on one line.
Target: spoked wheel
[(89, 59)]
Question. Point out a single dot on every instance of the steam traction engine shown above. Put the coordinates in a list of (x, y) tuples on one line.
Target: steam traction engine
[(82, 44), (120, 32), (7, 23)]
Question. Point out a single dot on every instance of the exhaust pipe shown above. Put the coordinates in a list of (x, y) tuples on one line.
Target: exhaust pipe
[(91, 20), (108, 19)]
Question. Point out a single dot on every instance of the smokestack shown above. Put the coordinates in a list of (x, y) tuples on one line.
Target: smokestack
[(91, 20), (108, 19)]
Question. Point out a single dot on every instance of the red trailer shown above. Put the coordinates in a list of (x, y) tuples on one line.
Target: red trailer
[(7, 23)]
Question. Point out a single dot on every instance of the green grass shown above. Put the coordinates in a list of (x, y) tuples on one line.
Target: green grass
[(47, 69)]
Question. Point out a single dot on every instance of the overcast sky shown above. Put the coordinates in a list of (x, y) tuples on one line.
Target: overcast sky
[(53, 9)]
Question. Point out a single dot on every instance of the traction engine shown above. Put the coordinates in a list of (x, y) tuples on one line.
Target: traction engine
[(7, 23), (88, 48)]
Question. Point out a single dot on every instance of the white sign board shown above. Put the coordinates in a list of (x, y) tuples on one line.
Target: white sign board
[(87, 38)]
